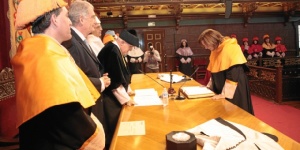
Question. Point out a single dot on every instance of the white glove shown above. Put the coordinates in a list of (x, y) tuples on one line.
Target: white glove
[(182, 60), (140, 59), (278, 54), (132, 60), (269, 53), (249, 57)]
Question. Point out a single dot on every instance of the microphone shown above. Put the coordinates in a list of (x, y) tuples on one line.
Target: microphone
[(179, 97), (151, 78)]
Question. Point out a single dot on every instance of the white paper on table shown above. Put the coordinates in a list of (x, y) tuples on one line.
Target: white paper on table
[(166, 77), (146, 97), (132, 128)]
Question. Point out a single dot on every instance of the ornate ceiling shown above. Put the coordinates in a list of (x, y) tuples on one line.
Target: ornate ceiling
[(179, 9)]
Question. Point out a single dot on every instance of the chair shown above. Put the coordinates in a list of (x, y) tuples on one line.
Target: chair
[(202, 64), (8, 131)]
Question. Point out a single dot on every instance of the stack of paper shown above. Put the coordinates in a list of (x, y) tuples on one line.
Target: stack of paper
[(146, 97), (197, 91), (166, 77)]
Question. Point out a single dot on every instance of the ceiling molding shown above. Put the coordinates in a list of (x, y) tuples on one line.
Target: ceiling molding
[(176, 10)]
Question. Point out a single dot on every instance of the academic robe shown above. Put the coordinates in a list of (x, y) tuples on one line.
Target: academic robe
[(268, 50), (53, 97), (135, 60), (185, 59), (114, 63), (227, 66)]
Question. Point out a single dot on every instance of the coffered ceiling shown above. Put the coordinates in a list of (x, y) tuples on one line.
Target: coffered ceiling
[(179, 9)]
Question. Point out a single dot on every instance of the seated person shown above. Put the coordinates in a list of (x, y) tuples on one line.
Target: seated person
[(255, 48), (268, 47), (245, 48), (280, 48)]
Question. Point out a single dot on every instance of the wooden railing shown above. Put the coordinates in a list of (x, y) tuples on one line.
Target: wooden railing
[(275, 78)]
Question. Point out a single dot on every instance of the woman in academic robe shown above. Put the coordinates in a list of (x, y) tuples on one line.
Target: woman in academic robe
[(227, 66), (280, 48), (135, 60), (268, 47), (184, 53), (255, 48)]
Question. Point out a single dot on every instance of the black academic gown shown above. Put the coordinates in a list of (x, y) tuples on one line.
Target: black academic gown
[(185, 68), (228, 63), (114, 63), (135, 68), (62, 127), (242, 96)]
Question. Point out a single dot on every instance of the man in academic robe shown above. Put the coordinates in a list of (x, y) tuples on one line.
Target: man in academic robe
[(53, 95), (83, 16), (117, 93)]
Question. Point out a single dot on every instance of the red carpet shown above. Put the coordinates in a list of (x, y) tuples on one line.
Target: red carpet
[(284, 118)]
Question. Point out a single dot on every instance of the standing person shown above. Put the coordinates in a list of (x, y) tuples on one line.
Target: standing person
[(109, 36), (255, 48), (280, 48), (184, 53), (53, 95), (82, 16), (152, 59), (227, 66), (268, 47), (94, 39), (135, 60), (117, 94), (135, 57)]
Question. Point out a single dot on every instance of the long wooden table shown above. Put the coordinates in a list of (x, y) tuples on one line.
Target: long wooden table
[(182, 115)]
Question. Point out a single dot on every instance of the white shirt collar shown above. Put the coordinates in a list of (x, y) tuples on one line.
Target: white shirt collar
[(79, 33)]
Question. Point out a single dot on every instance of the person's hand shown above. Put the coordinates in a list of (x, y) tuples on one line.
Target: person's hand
[(130, 103), (131, 93), (106, 79), (219, 96), (278, 54), (255, 55)]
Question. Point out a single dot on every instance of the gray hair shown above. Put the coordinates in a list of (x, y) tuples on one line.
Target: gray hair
[(78, 8)]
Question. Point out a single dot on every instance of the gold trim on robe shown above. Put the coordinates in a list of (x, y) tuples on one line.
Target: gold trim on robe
[(45, 76)]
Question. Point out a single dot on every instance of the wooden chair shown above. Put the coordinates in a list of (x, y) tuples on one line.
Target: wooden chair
[(8, 131), (202, 64)]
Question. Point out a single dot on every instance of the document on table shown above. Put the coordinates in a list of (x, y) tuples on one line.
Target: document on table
[(146, 97), (132, 128), (197, 91), (166, 77)]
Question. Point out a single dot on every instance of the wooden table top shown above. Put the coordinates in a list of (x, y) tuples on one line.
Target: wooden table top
[(182, 115)]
